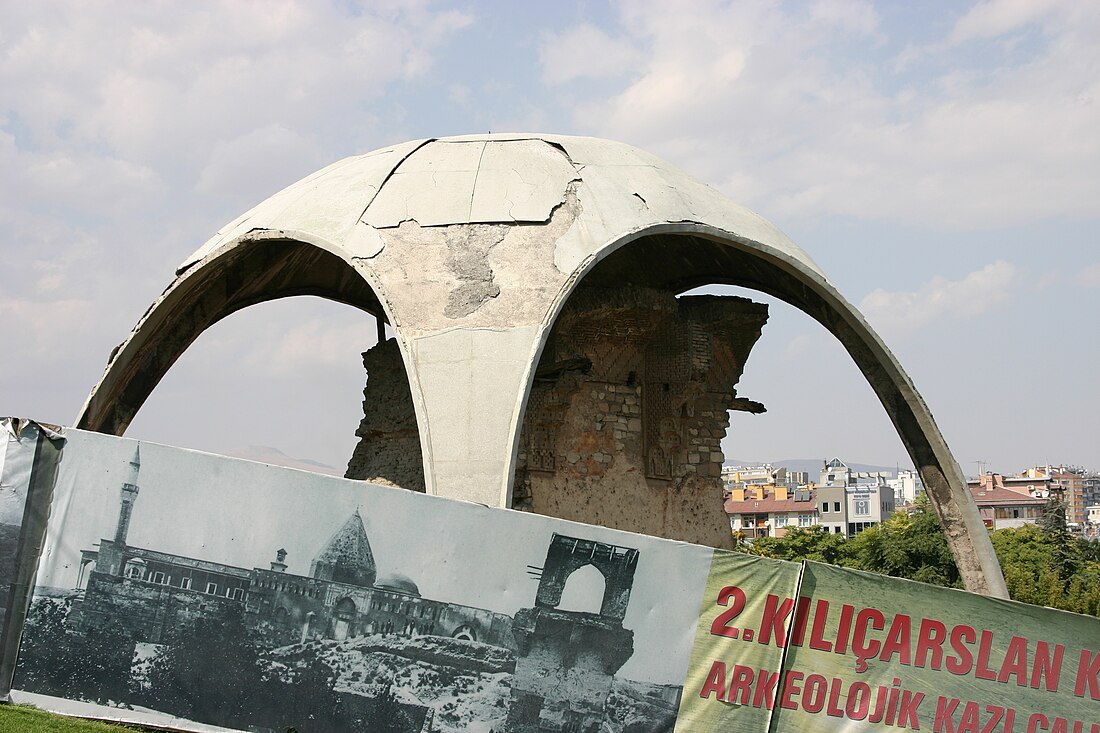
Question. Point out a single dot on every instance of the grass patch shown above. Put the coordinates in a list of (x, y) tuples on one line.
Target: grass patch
[(29, 719)]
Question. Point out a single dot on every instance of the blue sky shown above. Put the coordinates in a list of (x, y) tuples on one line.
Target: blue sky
[(940, 161)]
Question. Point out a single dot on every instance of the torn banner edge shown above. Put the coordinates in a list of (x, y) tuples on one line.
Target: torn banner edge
[(49, 441)]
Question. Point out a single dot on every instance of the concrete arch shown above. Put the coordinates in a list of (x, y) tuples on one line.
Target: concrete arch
[(256, 267), (683, 255), (470, 247)]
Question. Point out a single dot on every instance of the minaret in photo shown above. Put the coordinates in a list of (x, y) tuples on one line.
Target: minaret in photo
[(129, 496)]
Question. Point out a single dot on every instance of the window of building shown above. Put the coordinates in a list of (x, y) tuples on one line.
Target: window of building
[(836, 506), (781, 520), (855, 528), (212, 588), (805, 520), (134, 571), (158, 577), (836, 529), (824, 507), (185, 583), (237, 594)]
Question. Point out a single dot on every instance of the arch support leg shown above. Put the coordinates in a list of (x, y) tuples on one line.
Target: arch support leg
[(471, 384)]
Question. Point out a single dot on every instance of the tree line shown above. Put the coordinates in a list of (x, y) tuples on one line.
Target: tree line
[(1044, 564)]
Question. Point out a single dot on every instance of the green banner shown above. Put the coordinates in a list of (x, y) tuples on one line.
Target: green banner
[(829, 648), (738, 648)]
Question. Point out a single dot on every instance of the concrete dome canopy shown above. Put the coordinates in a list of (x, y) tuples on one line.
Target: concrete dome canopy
[(469, 248)]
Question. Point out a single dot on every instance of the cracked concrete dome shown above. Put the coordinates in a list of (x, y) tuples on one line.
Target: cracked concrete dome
[(496, 179), (469, 248)]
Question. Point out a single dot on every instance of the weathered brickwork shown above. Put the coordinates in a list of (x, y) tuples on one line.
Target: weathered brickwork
[(566, 660), (388, 451), (628, 409)]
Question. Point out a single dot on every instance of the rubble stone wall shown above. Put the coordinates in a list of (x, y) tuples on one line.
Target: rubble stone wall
[(388, 451), (628, 409)]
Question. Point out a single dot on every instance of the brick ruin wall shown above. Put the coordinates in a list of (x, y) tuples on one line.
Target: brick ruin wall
[(625, 418), (628, 409)]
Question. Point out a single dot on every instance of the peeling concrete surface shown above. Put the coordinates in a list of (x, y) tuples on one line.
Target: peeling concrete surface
[(468, 260), (479, 275)]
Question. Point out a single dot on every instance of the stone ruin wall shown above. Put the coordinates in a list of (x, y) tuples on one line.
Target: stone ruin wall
[(628, 409), (625, 418), (388, 451)]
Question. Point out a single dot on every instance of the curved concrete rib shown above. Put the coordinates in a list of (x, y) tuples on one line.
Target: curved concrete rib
[(255, 268), (771, 270)]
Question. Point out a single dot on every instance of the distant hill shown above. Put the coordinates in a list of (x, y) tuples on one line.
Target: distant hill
[(274, 456), (813, 465)]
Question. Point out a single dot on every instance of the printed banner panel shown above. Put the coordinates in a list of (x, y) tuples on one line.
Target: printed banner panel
[(738, 650), (192, 590), (181, 589), (28, 458), (856, 651), (13, 501), (876, 652)]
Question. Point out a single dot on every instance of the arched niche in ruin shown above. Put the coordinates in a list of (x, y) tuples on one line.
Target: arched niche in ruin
[(486, 255)]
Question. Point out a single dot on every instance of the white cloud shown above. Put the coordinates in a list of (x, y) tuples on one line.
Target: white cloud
[(800, 346), (897, 313), (317, 345), (130, 131), (162, 84), (797, 120), (585, 51), (247, 169), (1089, 277), (854, 16), (997, 17), (37, 326)]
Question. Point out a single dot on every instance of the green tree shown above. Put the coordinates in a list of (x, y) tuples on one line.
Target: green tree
[(1066, 554), (210, 671), (1042, 563), (56, 660), (803, 543), (46, 664), (1046, 565), (906, 546)]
